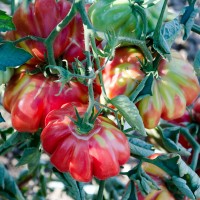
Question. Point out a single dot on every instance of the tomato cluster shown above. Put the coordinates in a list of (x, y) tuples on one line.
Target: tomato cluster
[(92, 146)]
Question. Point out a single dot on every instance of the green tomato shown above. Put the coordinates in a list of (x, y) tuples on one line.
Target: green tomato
[(5, 76), (118, 16)]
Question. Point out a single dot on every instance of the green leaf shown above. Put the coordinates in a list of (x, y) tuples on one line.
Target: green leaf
[(6, 23), (197, 63), (176, 167), (143, 90), (72, 187), (181, 184), (30, 156), (130, 112), (144, 182), (13, 140), (130, 192), (140, 148), (170, 30), (170, 138), (189, 15), (1, 118), (8, 185), (11, 56)]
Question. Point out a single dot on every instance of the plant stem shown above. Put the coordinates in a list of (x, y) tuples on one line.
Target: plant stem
[(196, 29), (49, 41), (101, 189), (141, 45), (194, 144), (29, 37), (159, 23)]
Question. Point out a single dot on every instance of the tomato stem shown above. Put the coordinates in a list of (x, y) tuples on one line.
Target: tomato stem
[(196, 29), (101, 189), (194, 144), (49, 41)]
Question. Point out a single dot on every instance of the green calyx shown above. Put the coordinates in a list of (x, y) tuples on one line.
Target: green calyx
[(82, 127)]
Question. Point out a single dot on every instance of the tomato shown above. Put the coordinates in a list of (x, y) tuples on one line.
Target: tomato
[(175, 87), (118, 16), (196, 110), (39, 20), (99, 153), (5, 76), (29, 98)]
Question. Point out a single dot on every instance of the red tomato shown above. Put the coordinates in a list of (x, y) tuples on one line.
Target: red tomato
[(29, 98), (39, 20), (99, 153), (196, 110)]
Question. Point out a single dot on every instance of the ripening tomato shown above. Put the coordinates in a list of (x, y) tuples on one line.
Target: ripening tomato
[(29, 98), (99, 152), (39, 20), (196, 110), (175, 87)]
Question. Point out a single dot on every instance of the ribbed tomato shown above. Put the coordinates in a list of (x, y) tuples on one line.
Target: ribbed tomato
[(29, 98), (175, 87)]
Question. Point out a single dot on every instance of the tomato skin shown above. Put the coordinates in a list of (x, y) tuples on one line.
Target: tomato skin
[(196, 110), (5, 76), (29, 98), (176, 87), (39, 20), (118, 16), (98, 153)]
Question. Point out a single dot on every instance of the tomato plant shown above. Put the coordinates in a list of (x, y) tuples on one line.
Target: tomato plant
[(98, 152), (109, 100)]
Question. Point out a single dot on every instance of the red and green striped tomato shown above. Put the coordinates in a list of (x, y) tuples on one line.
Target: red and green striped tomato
[(175, 87), (98, 153), (29, 98), (118, 16), (39, 19)]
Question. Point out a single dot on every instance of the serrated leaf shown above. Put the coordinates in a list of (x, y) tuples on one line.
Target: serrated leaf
[(161, 46), (140, 148), (144, 182), (170, 138), (181, 184), (14, 139), (1, 118), (30, 156), (188, 18), (130, 112), (130, 192), (8, 185), (11, 56), (197, 63), (6, 23), (175, 166), (170, 30), (72, 187), (143, 90)]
